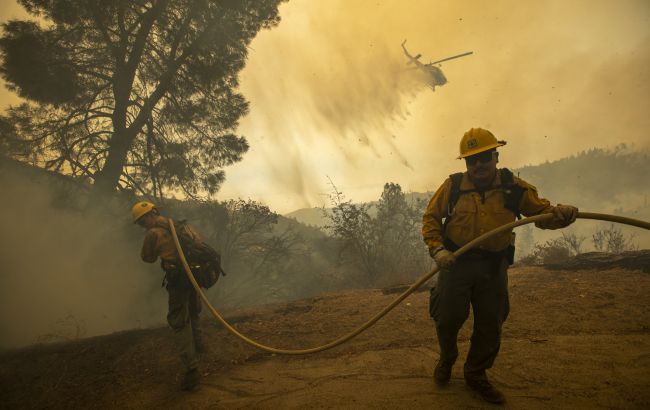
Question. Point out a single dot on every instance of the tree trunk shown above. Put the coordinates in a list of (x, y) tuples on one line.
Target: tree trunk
[(108, 178)]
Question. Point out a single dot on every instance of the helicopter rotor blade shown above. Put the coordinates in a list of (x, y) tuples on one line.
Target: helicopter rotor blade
[(451, 58)]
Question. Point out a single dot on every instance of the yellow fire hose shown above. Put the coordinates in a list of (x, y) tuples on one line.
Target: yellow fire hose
[(411, 289)]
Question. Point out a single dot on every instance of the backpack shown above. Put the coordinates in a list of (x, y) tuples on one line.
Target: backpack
[(512, 194), (204, 260)]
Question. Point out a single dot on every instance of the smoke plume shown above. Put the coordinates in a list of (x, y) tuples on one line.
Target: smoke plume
[(65, 274), (331, 93)]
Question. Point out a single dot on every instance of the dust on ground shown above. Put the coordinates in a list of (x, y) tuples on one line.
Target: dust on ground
[(574, 339)]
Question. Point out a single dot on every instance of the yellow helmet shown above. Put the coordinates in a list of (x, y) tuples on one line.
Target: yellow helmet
[(140, 209), (477, 140)]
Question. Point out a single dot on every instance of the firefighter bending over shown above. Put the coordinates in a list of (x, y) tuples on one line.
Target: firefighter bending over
[(184, 303)]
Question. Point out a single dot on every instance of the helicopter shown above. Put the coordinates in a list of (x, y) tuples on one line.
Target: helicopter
[(434, 75)]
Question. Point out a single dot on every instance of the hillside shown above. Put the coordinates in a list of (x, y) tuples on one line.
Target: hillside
[(314, 216), (574, 339), (596, 178), (603, 180)]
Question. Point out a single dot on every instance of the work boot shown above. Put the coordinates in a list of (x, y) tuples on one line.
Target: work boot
[(488, 392), (191, 380), (442, 373)]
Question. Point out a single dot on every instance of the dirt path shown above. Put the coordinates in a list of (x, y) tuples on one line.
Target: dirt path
[(573, 340)]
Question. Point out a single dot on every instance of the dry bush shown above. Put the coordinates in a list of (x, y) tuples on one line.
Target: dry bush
[(612, 240), (555, 250)]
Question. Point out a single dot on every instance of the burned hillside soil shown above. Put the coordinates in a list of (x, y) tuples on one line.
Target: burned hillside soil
[(574, 339)]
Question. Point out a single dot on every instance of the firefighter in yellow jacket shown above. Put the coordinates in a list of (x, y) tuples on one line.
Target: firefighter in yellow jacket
[(466, 206), (184, 303)]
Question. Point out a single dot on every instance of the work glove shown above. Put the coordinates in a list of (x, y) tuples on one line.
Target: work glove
[(565, 214), (444, 258)]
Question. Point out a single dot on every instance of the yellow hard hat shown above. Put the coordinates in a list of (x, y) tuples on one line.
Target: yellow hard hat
[(140, 209), (477, 140)]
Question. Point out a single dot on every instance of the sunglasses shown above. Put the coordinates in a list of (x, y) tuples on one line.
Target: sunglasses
[(482, 157)]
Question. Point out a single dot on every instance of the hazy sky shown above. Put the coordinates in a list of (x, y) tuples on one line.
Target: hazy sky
[(331, 95)]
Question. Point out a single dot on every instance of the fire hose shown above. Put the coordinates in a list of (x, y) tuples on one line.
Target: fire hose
[(401, 297)]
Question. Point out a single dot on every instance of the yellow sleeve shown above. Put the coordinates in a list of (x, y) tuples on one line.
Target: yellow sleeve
[(532, 204), (148, 252), (432, 218)]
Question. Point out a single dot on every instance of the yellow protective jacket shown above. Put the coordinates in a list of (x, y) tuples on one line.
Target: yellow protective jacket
[(158, 242), (472, 217)]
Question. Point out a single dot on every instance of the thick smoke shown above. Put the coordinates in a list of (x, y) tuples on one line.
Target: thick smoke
[(64, 274), (331, 94)]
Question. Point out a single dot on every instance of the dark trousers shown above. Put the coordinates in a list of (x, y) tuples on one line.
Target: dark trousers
[(483, 283), (183, 317)]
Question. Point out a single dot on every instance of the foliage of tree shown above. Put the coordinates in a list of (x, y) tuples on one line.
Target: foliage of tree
[(135, 94), (398, 229), (264, 255), (247, 227), (352, 224), (387, 246), (246, 234)]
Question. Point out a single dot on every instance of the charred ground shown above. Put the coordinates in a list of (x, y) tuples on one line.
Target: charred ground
[(574, 339)]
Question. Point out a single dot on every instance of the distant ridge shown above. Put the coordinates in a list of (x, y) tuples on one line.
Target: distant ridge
[(597, 179), (314, 216), (308, 216)]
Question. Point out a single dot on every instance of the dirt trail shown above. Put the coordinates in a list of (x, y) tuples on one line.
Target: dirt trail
[(574, 339)]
